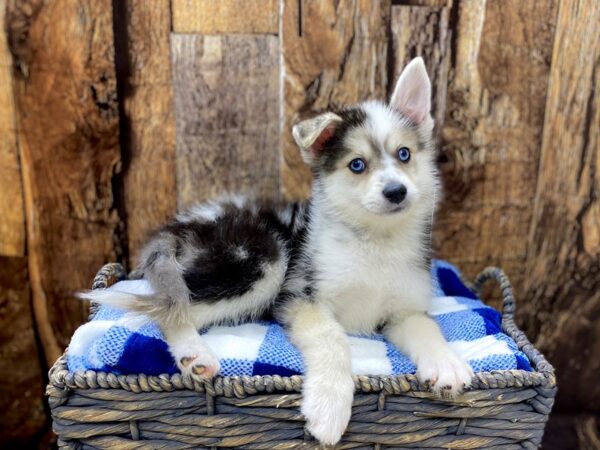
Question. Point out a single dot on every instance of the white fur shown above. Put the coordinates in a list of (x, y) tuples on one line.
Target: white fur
[(211, 210), (382, 121), (208, 212), (109, 297)]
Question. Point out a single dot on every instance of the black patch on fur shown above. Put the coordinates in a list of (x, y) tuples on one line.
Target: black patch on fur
[(308, 291), (232, 251), (334, 149)]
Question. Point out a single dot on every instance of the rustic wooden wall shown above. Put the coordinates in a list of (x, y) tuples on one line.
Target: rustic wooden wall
[(23, 415), (562, 275), (115, 113)]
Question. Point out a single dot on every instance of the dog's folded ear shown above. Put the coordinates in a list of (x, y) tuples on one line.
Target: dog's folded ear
[(412, 94), (311, 135)]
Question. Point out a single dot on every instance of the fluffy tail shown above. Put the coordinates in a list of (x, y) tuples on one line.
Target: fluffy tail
[(145, 304), (150, 305), (116, 299)]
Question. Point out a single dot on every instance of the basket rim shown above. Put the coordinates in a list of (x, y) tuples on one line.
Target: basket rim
[(543, 376)]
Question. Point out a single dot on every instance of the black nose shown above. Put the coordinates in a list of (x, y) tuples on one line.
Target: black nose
[(395, 193)]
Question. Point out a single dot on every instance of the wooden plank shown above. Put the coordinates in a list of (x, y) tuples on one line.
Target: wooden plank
[(424, 31), (21, 391), (225, 16), (12, 225), (147, 123), (226, 91), (426, 3), (338, 57), (492, 132), (68, 131), (563, 264)]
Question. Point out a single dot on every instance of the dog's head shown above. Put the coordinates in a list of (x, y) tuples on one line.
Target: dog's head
[(373, 162)]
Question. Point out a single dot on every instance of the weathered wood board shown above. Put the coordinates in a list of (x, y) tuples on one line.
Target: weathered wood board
[(491, 134), (427, 3), (12, 225), (334, 54), (67, 118), (225, 16), (563, 262), (22, 387), (147, 123), (226, 91)]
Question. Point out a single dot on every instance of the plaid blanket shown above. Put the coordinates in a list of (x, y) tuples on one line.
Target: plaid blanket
[(124, 343)]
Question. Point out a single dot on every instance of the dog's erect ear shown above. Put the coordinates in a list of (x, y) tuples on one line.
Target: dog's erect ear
[(311, 135), (412, 94)]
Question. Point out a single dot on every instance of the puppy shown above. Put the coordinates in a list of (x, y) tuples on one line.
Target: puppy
[(355, 258)]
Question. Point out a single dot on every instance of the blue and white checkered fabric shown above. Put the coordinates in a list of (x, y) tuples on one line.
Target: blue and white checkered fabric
[(126, 343)]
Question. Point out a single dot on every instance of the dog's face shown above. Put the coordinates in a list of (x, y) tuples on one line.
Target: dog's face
[(374, 162)]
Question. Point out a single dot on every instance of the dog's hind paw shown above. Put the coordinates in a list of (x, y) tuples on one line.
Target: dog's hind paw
[(204, 366), (191, 354)]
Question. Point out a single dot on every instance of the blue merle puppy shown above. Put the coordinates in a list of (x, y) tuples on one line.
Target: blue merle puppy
[(354, 258)]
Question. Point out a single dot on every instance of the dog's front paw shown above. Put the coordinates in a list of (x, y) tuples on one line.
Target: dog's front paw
[(199, 365), (445, 372), (327, 407)]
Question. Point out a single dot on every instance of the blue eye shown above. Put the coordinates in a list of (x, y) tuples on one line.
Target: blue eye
[(404, 154), (357, 165)]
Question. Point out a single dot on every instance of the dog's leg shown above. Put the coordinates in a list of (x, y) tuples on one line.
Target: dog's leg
[(419, 337), (328, 388), (192, 356), (172, 310)]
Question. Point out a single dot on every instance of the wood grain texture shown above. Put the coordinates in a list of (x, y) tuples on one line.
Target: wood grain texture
[(423, 31), (21, 391), (226, 91), (426, 3), (225, 16), (563, 264), (67, 118), (147, 124), (492, 132), (12, 225), (339, 57)]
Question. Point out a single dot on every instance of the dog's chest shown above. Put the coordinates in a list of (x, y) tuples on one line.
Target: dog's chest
[(360, 280)]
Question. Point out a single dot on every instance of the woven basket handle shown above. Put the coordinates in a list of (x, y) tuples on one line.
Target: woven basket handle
[(110, 274), (508, 321), (497, 274)]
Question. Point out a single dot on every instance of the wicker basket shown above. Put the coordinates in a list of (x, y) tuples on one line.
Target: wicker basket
[(503, 409)]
